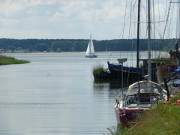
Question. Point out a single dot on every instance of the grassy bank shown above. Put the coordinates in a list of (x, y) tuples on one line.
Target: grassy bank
[(162, 120), (100, 74), (5, 60)]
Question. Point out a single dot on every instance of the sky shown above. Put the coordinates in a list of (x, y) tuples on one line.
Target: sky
[(75, 19)]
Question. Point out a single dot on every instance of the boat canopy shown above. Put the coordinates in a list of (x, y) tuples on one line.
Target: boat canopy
[(145, 87)]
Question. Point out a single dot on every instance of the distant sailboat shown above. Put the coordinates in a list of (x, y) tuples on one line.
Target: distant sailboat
[(90, 53)]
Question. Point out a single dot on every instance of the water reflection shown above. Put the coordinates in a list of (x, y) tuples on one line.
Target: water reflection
[(113, 84), (54, 94), (110, 91)]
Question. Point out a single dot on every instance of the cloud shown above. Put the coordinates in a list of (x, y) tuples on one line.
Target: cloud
[(70, 18), (9, 6)]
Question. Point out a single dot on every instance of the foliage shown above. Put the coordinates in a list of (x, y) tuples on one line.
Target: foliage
[(5, 60), (69, 45), (164, 61), (101, 75), (98, 70)]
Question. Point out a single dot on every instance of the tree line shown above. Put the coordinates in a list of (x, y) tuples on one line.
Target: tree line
[(79, 45)]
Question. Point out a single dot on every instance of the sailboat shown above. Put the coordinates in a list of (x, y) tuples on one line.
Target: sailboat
[(141, 95), (126, 73), (90, 52)]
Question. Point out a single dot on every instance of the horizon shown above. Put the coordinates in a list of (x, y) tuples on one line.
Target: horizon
[(85, 39)]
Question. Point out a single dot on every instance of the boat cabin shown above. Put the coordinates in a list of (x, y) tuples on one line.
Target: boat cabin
[(143, 94)]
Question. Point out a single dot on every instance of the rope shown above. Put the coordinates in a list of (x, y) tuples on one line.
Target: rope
[(130, 21), (124, 24), (167, 19)]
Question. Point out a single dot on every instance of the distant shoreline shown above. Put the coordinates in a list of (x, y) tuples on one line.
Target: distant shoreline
[(7, 60), (80, 45)]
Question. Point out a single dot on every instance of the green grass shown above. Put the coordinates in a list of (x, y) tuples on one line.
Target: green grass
[(162, 120), (163, 61), (98, 70), (5, 60), (101, 75)]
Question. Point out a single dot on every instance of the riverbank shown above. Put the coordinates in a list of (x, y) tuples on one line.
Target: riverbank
[(6, 60), (164, 119)]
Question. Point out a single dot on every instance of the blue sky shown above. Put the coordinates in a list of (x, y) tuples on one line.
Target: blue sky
[(71, 18)]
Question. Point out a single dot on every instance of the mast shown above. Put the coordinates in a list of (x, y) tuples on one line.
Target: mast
[(178, 23), (178, 32), (90, 41), (138, 30), (149, 40), (138, 35)]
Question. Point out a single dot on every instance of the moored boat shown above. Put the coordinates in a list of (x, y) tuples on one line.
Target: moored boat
[(126, 74), (141, 96)]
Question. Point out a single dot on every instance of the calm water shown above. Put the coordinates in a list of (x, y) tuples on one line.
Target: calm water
[(55, 95)]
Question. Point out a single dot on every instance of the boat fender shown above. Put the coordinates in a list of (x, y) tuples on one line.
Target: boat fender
[(178, 102)]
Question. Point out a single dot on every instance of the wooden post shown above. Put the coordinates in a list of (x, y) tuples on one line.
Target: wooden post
[(167, 89)]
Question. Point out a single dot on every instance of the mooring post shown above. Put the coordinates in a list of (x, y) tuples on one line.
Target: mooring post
[(167, 89)]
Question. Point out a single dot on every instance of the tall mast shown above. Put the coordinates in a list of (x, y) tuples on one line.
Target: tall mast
[(138, 35), (90, 41), (178, 31), (178, 23), (138, 30), (149, 40)]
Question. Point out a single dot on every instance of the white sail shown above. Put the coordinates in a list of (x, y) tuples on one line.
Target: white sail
[(90, 49)]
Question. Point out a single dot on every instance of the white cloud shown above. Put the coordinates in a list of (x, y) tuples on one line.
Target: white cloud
[(9, 6), (68, 18)]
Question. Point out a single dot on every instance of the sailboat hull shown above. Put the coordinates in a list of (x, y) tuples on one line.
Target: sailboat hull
[(91, 56), (126, 117), (127, 75), (140, 97), (118, 67)]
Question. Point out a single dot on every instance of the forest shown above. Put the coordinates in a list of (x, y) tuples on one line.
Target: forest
[(79, 45)]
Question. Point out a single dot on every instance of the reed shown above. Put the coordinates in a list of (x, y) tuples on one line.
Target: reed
[(98, 70), (101, 74)]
